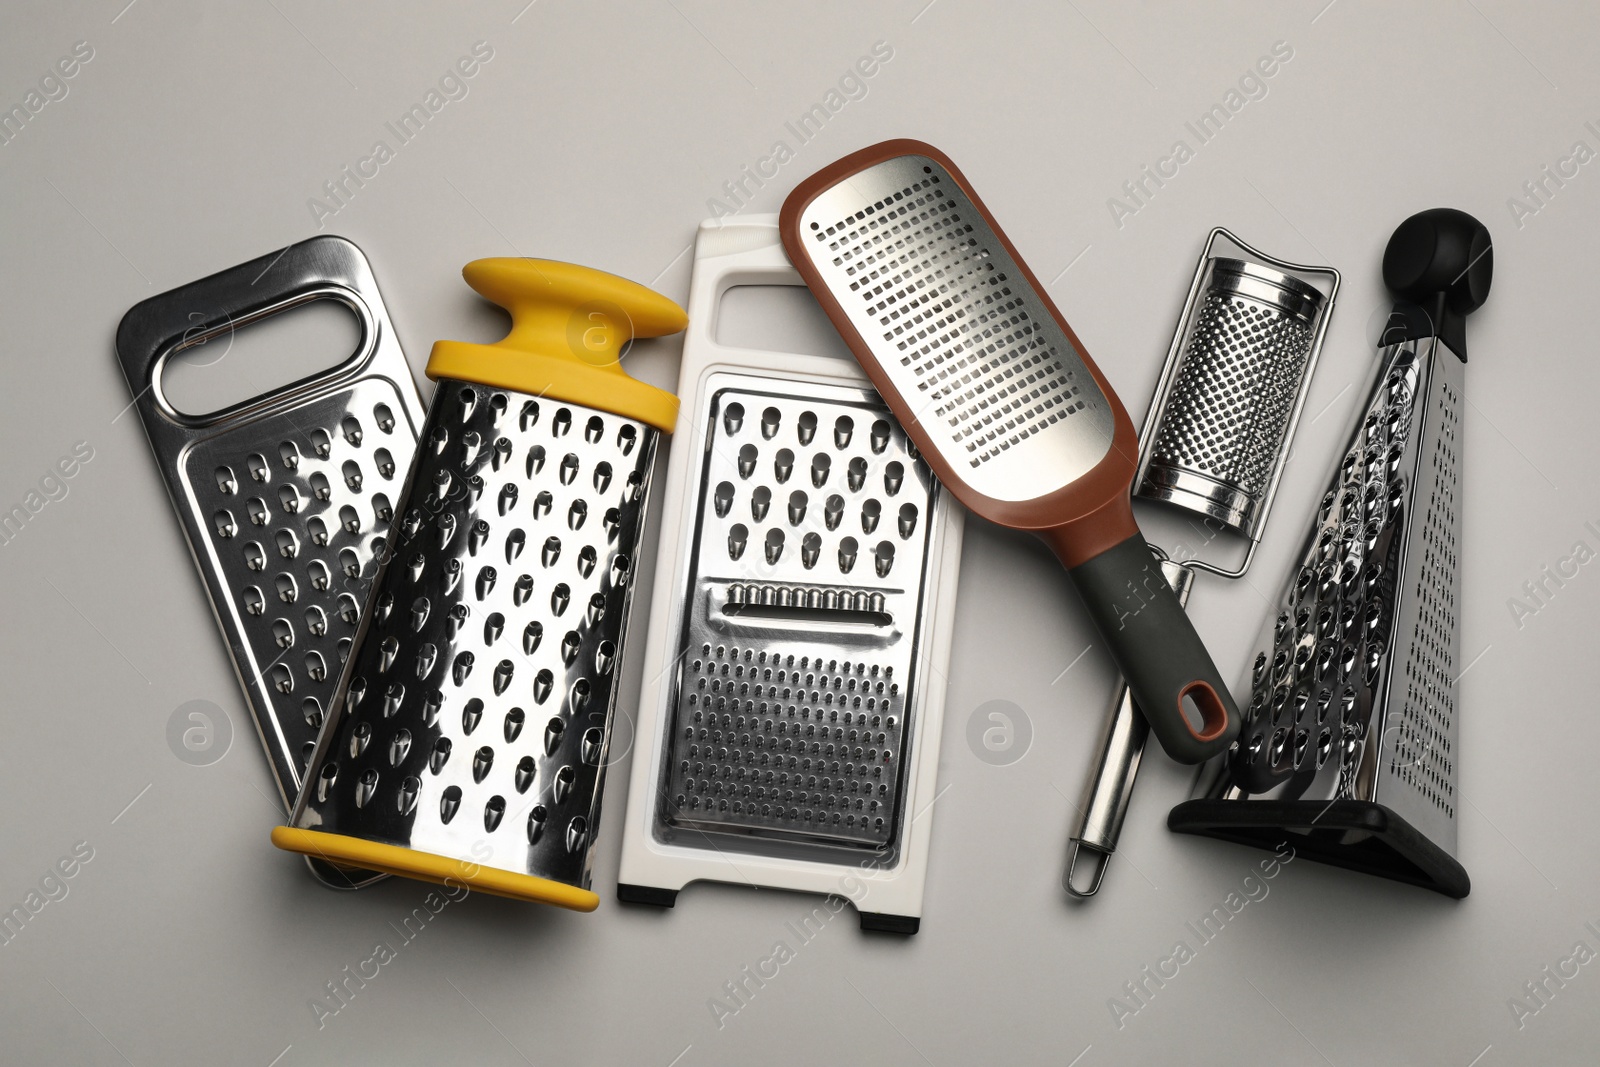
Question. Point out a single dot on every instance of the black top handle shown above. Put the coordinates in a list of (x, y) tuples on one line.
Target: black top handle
[(1439, 263)]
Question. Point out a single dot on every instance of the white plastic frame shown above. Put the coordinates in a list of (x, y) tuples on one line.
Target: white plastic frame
[(728, 254)]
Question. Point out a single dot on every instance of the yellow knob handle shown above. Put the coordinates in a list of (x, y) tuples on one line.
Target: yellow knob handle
[(569, 328)]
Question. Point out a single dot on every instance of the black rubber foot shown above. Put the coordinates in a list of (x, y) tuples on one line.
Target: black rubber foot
[(646, 894), (890, 924), (1357, 835)]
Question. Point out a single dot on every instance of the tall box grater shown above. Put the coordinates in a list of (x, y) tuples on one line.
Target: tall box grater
[(793, 687), (469, 735), (1349, 748)]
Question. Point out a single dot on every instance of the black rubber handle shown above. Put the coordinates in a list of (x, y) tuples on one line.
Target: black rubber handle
[(1440, 263), (1155, 644)]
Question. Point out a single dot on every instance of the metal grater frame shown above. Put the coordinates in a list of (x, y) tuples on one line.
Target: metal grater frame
[(1351, 729), (665, 847), (285, 498)]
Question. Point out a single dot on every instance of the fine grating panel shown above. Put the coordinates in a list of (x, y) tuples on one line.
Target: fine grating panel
[(934, 302), (789, 718), (778, 742), (1422, 755), (1234, 393), (955, 317)]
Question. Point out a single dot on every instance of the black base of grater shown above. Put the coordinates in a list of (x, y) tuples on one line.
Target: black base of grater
[(1357, 835), (646, 894)]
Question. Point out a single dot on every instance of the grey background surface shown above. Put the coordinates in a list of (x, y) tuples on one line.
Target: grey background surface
[(194, 139)]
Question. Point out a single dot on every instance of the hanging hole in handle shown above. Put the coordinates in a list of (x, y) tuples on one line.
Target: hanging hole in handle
[(214, 372), (776, 318), (1203, 711)]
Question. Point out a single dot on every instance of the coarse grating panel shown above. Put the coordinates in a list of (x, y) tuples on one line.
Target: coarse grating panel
[(1234, 392), (1315, 688), (955, 324), (477, 708), (297, 506), (805, 588), (1353, 692)]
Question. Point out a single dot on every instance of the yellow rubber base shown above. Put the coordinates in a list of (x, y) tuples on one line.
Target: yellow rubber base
[(409, 863)]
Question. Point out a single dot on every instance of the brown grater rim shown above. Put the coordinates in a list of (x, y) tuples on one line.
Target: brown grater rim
[(1094, 508)]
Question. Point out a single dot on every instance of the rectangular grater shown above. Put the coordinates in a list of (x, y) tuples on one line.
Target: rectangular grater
[(286, 498), (1349, 744), (471, 729), (799, 631)]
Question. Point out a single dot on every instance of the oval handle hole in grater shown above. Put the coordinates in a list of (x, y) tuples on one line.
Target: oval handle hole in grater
[(219, 366), (773, 318)]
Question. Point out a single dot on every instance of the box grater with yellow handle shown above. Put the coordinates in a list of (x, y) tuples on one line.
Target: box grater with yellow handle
[(470, 729)]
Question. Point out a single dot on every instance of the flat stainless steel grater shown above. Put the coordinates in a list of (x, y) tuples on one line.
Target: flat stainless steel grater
[(803, 612), (794, 677), (1348, 750), (469, 735), (1214, 445), (285, 498), (1003, 403)]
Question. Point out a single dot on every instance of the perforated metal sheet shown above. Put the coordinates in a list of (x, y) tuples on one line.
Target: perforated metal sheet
[(1234, 392), (286, 498), (805, 590), (1423, 755), (476, 715), (1353, 691), (297, 508), (957, 327)]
